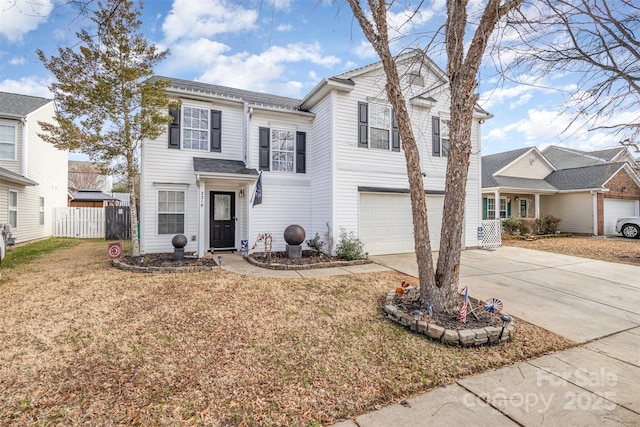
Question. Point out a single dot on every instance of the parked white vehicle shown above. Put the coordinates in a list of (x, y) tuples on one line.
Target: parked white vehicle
[(629, 227)]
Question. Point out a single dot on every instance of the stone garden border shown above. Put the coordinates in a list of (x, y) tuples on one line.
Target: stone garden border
[(183, 269), (488, 335), (276, 266)]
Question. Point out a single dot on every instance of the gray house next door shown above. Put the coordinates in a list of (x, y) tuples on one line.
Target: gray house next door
[(223, 220)]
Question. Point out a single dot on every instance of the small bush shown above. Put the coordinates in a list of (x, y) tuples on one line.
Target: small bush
[(547, 224), (527, 226), (349, 247), (511, 225), (316, 244)]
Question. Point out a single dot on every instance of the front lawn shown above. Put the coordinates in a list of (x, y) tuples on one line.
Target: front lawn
[(84, 343)]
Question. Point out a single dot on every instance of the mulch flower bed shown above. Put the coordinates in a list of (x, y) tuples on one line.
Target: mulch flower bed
[(166, 260)]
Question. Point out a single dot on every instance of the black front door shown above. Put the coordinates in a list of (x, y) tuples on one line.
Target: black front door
[(223, 220)]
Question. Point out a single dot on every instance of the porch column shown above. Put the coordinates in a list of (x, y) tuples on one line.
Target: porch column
[(537, 202), (496, 204), (202, 250)]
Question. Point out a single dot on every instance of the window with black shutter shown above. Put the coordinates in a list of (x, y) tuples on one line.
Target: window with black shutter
[(174, 129), (264, 160), (440, 132), (395, 134), (363, 124), (216, 131), (301, 152)]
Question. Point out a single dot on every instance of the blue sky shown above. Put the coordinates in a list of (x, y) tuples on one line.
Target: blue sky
[(284, 47)]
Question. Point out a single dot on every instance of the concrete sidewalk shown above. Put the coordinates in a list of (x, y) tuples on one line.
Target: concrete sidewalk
[(591, 302)]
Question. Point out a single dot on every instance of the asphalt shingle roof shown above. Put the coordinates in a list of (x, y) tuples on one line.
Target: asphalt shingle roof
[(91, 196), (494, 162), (524, 183), (583, 178), (256, 98), (19, 106), (201, 164), (12, 176)]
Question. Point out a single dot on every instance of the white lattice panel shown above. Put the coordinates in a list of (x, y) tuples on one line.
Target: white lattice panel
[(491, 234)]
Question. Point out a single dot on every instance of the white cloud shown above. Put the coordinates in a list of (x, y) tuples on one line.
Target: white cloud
[(18, 17), (284, 27), (34, 86), (194, 19), (18, 60), (364, 50)]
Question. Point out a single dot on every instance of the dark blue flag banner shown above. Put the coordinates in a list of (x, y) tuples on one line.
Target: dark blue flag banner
[(257, 197)]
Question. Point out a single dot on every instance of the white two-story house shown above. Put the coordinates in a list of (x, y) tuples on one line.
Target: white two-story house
[(332, 160), (33, 173)]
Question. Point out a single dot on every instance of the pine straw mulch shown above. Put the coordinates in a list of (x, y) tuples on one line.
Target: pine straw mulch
[(84, 343), (624, 251)]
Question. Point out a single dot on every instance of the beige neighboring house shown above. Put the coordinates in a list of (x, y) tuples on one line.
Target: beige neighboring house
[(588, 191), (33, 173)]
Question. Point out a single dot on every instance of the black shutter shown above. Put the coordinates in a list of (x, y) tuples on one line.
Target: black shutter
[(301, 152), (435, 126), (174, 129), (445, 142), (395, 134), (216, 130), (264, 149), (363, 124)]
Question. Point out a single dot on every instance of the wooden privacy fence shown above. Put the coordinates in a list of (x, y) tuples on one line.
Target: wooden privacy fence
[(82, 223)]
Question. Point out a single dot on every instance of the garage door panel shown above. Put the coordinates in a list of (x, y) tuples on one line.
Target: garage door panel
[(386, 222), (614, 209)]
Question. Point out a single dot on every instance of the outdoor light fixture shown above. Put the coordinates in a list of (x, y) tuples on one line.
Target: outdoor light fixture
[(219, 261), (506, 319)]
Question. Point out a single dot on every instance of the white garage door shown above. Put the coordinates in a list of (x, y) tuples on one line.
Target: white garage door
[(386, 223), (614, 209)]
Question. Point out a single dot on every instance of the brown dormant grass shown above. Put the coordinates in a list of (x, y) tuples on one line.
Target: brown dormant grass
[(84, 343), (624, 251)]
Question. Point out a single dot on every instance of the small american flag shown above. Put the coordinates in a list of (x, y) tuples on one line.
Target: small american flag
[(465, 304)]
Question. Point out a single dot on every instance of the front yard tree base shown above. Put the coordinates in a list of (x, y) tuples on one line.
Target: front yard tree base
[(460, 335)]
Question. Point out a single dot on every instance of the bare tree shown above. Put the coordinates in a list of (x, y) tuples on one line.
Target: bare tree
[(439, 289), (596, 40), (84, 177)]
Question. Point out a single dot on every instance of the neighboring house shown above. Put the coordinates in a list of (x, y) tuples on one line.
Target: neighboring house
[(86, 175), (332, 160), (33, 173), (588, 191), (91, 198)]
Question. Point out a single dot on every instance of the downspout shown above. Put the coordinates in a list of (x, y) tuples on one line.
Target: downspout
[(249, 163)]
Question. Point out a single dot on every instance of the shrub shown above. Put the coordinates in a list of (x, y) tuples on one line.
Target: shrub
[(511, 225), (547, 224), (316, 244), (349, 247), (527, 226)]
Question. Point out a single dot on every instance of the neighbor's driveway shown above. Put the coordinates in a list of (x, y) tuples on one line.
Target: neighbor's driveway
[(578, 298)]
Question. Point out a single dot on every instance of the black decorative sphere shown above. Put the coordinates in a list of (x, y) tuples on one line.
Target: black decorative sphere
[(179, 241), (294, 234)]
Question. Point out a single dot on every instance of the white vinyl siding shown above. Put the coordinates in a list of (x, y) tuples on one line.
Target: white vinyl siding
[(8, 141), (530, 166)]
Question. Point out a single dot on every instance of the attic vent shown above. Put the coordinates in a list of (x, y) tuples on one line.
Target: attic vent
[(415, 78)]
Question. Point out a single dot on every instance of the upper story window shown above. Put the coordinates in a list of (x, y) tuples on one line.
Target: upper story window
[(195, 128), (377, 127), (440, 132), (8, 134), (282, 150), (198, 129)]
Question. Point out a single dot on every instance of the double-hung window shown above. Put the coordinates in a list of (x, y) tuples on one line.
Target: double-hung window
[(440, 134), (171, 209), (377, 127), (282, 150), (13, 209), (8, 136), (491, 208), (195, 128)]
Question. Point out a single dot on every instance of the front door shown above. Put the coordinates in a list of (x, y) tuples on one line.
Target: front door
[(223, 220)]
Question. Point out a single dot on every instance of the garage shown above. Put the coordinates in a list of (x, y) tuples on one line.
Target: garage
[(386, 223), (617, 208)]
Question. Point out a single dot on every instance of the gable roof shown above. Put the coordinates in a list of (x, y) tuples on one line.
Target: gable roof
[(239, 95), (17, 106), (494, 162), (91, 195)]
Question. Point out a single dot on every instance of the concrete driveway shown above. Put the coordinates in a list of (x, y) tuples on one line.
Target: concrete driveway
[(596, 383)]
